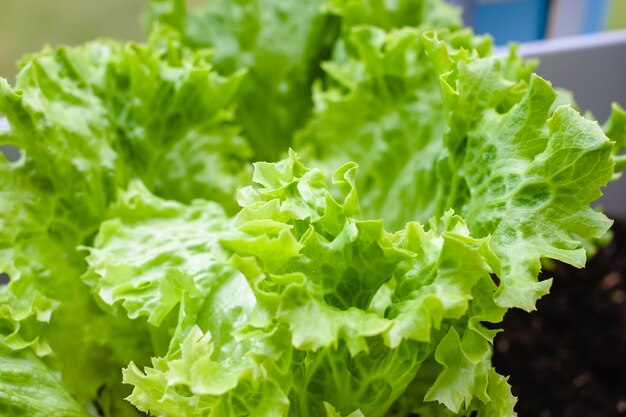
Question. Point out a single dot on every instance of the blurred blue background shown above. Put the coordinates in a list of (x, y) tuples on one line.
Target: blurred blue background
[(530, 20)]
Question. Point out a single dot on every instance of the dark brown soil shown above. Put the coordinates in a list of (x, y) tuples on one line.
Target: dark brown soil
[(568, 358)]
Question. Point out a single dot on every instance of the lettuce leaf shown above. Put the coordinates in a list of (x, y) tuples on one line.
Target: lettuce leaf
[(138, 271), (29, 388), (297, 305), (279, 44), (89, 120), (437, 123)]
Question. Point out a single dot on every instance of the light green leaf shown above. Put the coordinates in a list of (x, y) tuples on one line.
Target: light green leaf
[(153, 251), (29, 388), (615, 129), (438, 124), (89, 120), (275, 96), (366, 295)]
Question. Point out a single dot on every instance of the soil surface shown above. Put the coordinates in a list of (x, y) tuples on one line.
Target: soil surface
[(568, 358)]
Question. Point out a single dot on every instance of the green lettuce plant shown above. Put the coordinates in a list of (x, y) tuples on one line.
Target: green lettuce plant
[(361, 273)]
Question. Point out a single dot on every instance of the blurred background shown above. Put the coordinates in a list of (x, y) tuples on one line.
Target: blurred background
[(27, 25), (530, 20), (581, 44)]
